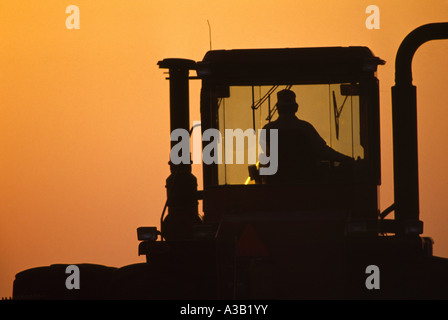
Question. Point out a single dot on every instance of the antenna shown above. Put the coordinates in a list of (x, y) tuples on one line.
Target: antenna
[(210, 34)]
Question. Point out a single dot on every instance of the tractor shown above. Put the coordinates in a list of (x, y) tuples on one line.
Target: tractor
[(318, 238)]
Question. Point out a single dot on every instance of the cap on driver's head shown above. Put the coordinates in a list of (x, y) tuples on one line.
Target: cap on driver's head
[(286, 97)]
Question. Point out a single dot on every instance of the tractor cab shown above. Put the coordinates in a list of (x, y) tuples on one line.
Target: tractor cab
[(336, 91), (248, 222)]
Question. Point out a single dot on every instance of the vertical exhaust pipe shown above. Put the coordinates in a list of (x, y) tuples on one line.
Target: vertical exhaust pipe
[(179, 91), (404, 121), (181, 185)]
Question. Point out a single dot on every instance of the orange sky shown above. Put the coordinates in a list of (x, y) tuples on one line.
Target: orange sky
[(84, 119)]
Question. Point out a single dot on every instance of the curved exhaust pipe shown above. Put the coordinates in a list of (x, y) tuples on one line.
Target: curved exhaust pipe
[(404, 121)]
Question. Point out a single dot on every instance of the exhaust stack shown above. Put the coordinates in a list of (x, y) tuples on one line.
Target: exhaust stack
[(181, 185), (404, 120)]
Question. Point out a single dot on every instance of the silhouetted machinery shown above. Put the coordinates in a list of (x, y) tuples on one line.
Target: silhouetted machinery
[(313, 239)]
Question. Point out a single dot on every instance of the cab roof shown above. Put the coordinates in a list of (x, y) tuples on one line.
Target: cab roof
[(288, 64)]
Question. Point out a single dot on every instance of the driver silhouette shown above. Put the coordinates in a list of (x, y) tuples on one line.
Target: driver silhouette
[(300, 147)]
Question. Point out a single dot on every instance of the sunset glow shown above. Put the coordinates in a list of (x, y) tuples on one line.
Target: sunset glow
[(84, 113)]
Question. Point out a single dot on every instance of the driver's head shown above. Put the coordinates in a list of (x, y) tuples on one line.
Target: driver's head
[(286, 102)]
